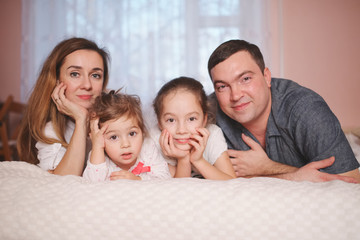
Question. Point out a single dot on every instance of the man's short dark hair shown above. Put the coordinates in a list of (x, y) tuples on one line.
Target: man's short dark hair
[(226, 49)]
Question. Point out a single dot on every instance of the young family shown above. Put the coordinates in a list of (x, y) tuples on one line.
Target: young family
[(264, 126)]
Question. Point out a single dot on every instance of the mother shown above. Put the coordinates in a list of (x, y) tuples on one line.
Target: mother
[(55, 126)]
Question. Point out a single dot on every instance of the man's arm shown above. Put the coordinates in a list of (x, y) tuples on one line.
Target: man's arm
[(255, 162), (310, 172), (353, 174)]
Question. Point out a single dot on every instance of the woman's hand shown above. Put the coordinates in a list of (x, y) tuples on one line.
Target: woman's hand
[(73, 160), (198, 142), (67, 107)]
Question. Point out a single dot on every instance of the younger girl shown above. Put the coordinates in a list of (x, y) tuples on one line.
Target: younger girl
[(181, 109), (119, 150)]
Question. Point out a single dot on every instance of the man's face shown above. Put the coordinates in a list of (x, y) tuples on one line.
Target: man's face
[(242, 90)]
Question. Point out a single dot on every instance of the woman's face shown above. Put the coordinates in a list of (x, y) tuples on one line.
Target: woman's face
[(83, 74)]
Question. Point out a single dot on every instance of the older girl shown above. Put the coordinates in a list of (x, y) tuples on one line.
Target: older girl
[(55, 127), (181, 109)]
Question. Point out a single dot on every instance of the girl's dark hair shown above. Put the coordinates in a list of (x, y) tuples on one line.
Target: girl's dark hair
[(185, 83)]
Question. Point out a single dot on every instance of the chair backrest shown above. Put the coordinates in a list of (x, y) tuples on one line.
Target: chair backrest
[(9, 126), (5, 107)]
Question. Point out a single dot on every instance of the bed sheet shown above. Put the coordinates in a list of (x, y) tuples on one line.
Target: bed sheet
[(38, 205)]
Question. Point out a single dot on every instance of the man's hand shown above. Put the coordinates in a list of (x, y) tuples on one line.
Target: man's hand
[(255, 162), (310, 172)]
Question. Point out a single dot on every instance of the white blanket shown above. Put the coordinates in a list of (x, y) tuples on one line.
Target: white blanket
[(38, 205)]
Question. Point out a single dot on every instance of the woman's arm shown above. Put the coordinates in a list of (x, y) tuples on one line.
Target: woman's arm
[(73, 160)]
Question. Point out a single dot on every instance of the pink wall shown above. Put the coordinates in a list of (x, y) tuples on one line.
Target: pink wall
[(322, 50), (10, 42), (321, 45)]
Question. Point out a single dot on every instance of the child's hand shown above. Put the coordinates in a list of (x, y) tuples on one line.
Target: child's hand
[(168, 147), (122, 174), (96, 134), (198, 143)]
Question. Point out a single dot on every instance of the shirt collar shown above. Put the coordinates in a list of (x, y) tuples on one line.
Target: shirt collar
[(272, 129)]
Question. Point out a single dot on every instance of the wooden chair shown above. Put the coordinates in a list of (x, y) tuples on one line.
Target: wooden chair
[(10, 118)]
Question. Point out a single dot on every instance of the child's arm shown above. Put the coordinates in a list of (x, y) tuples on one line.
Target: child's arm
[(222, 168), (96, 173), (172, 170), (96, 169), (98, 142), (123, 174), (183, 167)]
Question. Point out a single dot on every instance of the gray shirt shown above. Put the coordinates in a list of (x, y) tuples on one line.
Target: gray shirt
[(301, 129)]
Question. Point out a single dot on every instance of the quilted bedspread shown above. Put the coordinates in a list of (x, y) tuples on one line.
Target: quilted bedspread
[(37, 205)]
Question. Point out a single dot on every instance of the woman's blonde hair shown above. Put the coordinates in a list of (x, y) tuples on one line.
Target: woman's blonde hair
[(41, 109)]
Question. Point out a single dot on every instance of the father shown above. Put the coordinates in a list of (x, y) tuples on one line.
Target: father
[(293, 124)]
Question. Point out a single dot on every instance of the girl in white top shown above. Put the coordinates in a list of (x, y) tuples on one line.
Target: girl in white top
[(119, 150), (55, 126), (181, 110)]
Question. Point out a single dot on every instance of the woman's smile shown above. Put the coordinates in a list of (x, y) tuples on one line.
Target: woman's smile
[(85, 97)]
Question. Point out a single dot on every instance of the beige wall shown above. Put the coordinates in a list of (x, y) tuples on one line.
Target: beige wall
[(321, 45), (10, 44), (322, 49)]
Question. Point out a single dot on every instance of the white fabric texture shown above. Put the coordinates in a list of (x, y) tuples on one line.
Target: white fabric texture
[(149, 156), (215, 146), (50, 155), (354, 142), (38, 205)]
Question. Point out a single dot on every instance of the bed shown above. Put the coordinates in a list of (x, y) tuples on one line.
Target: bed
[(38, 205)]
